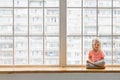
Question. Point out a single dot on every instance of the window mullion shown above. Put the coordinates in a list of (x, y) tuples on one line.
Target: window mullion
[(63, 33)]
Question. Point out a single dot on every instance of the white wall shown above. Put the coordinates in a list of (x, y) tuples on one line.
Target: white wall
[(61, 76)]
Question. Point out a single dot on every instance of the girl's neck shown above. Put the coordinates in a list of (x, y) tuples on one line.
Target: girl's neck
[(96, 50)]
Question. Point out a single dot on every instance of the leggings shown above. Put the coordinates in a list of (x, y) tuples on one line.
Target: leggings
[(97, 65)]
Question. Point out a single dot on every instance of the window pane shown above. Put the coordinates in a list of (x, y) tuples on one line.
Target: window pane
[(51, 3), (52, 21), (20, 3), (36, 3), (36, 21), (105, 3), (6, 3), (73, 21), (6, 50), (89, 21), (116, 21), (73, 51), (6, 21), (87, 45), (74, 3), (104, 22), (51, 54), (116, 50), (21, 21), (106, 46), (116, 3), (21, 50), (89, 3), (36, 50)]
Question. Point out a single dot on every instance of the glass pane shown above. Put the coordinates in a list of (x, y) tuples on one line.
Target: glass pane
[(116, 3), (89, 21), (74, 3), (6, 50), (106, 46), (36, 50), (73, 51), (51, 51), (116, 50), (105, 3), (6, 21), (21, 22), (116, 21), (73, 21), (6, 3), (36, 3), (36, 22), (51, 3), (21, 50), (52, 21), (20, 3), (104, 22), (89, 3), (87, 45)]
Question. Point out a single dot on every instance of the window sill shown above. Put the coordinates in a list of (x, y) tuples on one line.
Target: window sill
[(15, 70)]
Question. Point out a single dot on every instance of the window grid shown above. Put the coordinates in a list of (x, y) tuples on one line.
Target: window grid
[(27, 7), (63, 36), (111, 35), (13, 35), (112, 32)]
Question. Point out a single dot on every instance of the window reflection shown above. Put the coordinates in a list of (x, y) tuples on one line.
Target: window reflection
[(116, 3), (36, 3), (106, 46), (89, 3), (21, 50), (87, 45), (36, 22), (21, 21), (6, 3), (27, 22), (52, 21), (73, 18), (116, 51), (73, 50), (116, 21), (51, 3), (104, 22), (6, 21), (89, 21), (6, 49), (51, 50), (105, 3), (74, 3), (20, 3), (36, 50)]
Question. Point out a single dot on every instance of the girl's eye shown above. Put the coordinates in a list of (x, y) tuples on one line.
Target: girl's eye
[(97, 44)]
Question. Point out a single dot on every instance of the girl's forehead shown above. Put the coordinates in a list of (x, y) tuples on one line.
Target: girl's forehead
[(96, 44)]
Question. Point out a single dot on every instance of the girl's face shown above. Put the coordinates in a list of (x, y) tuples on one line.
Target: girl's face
[(96, 46)]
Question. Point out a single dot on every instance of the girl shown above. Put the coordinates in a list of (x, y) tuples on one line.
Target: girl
[(95, 56)]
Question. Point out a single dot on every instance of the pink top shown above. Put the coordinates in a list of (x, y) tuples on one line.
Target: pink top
[(95, 56)]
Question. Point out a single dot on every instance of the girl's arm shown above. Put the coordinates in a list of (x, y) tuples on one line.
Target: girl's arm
[(90, 60), (89, 57), (102, 55)]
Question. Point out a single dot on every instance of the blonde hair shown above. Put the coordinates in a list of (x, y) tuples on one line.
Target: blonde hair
[(94, 41)]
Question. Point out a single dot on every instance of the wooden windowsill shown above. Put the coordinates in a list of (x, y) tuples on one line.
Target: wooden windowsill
[(15, 70)]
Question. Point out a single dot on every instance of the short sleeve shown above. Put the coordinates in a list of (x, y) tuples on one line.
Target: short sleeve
[(102, 54), (89, 54)]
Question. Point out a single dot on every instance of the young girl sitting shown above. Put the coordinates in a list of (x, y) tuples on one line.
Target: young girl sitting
[(95, 56)]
